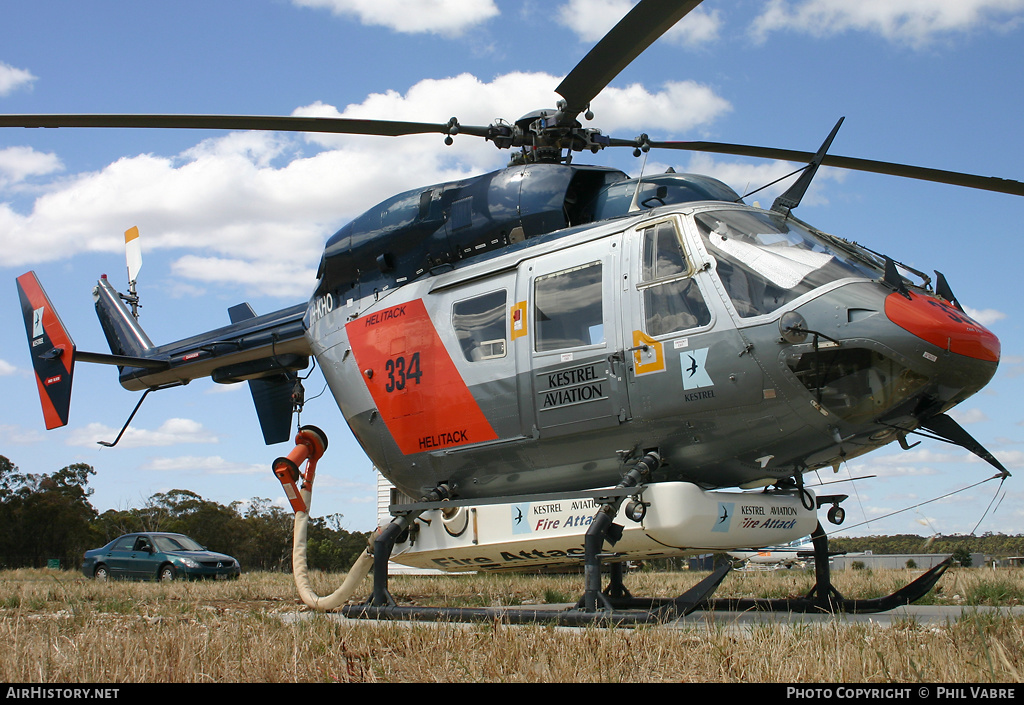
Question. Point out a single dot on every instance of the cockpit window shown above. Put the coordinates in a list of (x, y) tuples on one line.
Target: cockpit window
[(766, 260), (663, 253), (672, 300)]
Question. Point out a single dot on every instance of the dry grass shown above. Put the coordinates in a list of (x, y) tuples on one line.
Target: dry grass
[(56, 627)]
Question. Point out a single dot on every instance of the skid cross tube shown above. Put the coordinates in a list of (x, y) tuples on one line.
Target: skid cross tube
[(384, 544), (599, 531), (593, 544), (823, 595)]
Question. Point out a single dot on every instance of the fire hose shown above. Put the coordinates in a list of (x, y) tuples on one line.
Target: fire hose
[(310, 444)]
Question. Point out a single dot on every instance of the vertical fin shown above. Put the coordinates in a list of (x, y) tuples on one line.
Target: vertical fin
[(52, 350)]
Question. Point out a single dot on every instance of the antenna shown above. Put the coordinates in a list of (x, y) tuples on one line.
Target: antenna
[(634, 205), (133, 255)]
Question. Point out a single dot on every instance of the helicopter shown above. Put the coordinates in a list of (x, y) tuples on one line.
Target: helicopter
[(552, 328), (794, 554)]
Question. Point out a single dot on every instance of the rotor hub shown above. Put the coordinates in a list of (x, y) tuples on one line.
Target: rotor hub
[(546, 136)]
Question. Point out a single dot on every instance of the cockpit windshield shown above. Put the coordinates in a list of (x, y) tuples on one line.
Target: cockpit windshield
[(766, 260)]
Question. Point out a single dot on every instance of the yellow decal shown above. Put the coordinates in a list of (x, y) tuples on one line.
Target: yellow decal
[(518, 318), (648, 354)]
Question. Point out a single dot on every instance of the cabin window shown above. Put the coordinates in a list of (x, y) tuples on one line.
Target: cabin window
[(481, 326), (568, 308), (672, 300)]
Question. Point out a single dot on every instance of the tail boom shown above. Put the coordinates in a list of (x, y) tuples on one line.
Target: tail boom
[(264, 350)]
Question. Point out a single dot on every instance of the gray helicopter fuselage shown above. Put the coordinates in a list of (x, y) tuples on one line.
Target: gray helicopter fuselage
[(551, 364)]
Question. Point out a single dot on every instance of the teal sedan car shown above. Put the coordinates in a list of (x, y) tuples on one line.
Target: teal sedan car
[(157, 556)]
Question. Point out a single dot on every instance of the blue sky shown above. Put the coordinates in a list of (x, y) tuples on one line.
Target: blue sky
[(238, 217)]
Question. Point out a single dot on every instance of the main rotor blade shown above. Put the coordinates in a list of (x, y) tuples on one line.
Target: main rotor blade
[(350, 126), (985, 183), (617, 49)]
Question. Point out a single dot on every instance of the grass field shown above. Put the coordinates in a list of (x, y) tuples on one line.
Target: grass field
[(58, 627)]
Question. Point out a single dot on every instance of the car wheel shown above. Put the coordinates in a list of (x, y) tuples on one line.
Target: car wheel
[(101, 572), (167, 573)]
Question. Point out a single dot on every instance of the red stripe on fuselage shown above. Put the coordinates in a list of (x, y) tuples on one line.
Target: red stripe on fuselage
[(415, 385)]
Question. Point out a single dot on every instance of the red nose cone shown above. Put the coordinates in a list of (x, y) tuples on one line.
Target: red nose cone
[(943, 325)]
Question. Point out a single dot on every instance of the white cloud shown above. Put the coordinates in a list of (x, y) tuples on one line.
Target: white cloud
[(225, 388), (275, 278), (11, 79), (222, 198), (213, 465), (912, 22), (254, 209), (7, 368), (968, 416), (19, 163), (929, 456), (18, 435), (678, 107), (446, 17), (590, 20), (889, 471), (985, 317), (916, 462), (1008, 458), (171, 432)]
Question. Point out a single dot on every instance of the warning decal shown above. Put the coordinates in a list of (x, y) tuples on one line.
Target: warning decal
[(418, 391)]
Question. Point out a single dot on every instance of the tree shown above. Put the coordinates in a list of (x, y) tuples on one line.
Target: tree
[(332, 548), (962, 555), (45, 516), (267, 542), (117, 522)]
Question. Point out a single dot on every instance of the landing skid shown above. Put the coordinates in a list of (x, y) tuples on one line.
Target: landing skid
[(626, 615), (823, 597), (616, 606), (834, 602)]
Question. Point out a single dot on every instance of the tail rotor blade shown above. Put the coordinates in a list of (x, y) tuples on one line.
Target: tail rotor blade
[(133, 253)]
